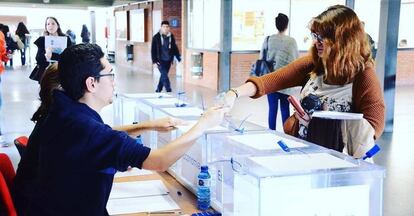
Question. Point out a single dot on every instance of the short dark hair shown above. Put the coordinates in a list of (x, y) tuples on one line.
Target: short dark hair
[(165, 22), (76, 64), (281, 22)]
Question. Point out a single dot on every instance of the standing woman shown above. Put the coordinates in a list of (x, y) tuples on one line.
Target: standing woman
[(43, 56), (338, 73), (281, 49), (21, 32)]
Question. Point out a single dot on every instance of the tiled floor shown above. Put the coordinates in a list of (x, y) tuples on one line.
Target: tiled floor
[(19, 96)]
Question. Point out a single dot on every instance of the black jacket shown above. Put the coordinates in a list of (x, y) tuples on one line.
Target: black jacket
[(156, 49)]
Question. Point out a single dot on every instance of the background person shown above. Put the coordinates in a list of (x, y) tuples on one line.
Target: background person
[(339, 71), (43, 55), (21, 32), (163, 50), (281, 49)]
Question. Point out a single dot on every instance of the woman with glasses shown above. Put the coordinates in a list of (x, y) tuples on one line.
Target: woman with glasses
[(44, 54), (337, 75)]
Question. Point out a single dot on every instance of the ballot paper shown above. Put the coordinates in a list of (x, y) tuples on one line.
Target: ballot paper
[(164, 101), (266, 141), (133, 172), (137, 189), (301, 162), (146, 95), (56, 43), (190, 124), (337, 115), (146, 204), (184, 111)]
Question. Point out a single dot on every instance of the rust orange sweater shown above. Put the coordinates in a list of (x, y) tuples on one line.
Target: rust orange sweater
[(367, 97)]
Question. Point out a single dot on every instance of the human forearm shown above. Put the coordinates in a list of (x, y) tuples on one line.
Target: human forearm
[(135, 129), (161, 159), (164, 157)]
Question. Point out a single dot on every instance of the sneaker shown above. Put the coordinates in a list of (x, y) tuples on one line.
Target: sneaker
[(157, 91)]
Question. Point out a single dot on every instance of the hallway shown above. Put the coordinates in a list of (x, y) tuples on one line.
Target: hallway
[(19, 101)]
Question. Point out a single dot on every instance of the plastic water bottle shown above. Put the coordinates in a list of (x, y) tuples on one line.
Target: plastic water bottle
[(203, 190)]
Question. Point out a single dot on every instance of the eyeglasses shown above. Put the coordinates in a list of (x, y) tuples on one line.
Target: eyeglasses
[(111, 75), (317, 37)]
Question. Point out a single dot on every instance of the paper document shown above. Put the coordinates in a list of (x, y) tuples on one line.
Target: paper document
[(184, 111), (141, 204), (266, 141), (137, 189), (337, 115), (56, 43), (164, 101), (301, 162), (133, 172), (185, 128), (146, 95)]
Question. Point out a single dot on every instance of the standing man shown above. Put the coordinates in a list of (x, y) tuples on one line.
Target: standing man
[(163, 50)]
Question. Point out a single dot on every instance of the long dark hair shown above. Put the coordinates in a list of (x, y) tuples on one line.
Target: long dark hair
[(59, 31), (48, 83), (21, 30)]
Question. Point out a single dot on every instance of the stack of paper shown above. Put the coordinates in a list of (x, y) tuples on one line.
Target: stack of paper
[(141, 204), (137, 189), (139, 196), (337, 115)]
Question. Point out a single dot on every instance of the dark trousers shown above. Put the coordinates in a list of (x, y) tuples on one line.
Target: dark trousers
[(164, 67), (273, 100), (23, 55)]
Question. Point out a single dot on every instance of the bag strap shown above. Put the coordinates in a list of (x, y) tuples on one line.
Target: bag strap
[(264, 57)]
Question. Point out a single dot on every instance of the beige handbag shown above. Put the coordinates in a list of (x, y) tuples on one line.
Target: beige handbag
[(358, 137)]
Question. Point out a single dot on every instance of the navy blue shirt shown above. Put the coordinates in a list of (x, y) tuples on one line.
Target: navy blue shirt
[(70, 162)]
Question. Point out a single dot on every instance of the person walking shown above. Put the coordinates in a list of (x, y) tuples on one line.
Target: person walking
[(163, 50)]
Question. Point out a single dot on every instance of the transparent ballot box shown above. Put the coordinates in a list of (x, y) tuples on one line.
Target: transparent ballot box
[(149, 109), (140, 107), (188, 113), (254, 143), (302, 183), (125, 105)]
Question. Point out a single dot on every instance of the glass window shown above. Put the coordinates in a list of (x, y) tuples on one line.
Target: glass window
[(406, 33), (121, 25), (137, 25), (370, 17), (252, 22), (204, 24), (302, 11)]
